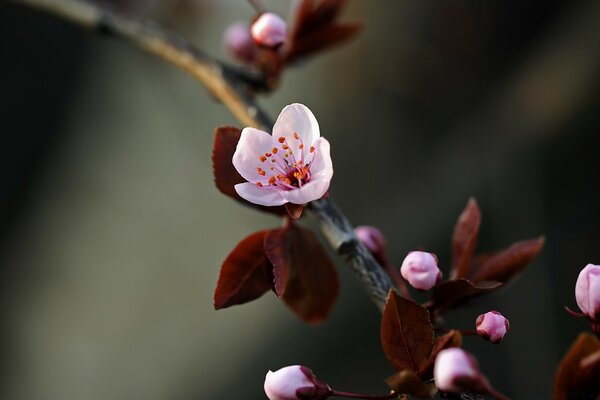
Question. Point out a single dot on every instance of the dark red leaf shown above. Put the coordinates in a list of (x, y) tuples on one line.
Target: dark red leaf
[(226, 176), (451, 293), (574, 380), (449, 339), (505, 264), (305, 277), (406, 333), (322, 14), (322, 38), (464, 239), (407, 382), (245, 274)]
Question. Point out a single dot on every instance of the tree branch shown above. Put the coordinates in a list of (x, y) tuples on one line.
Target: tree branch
[(232, 90)]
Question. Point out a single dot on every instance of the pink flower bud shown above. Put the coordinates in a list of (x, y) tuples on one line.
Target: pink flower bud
[(421, 270), (587, 291), (238, 42), (373, 239), (453, 369), (492, 326), (291, 383), (269, 30)]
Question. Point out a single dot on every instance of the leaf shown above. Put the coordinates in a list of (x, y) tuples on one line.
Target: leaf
[(225, 174), (574, 381), (505, 264), (315, 28), (451, 293), (245, 274), (305, 277), (407, 382), (464, 239), (322, 38), (406, 333), (447, 340)]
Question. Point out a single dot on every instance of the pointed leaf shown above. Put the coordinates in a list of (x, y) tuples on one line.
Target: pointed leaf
[(225, 174), (322, 38), (505, 264), (451, 293), (407, 382), (245, 274), (305, 277), (406, 333), (574, 381), (447, 340), (464, 239)]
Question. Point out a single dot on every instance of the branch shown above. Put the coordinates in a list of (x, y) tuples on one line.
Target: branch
[(232, 90)]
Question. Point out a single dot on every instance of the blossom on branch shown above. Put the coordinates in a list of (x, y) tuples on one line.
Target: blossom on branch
[(421, 270), (291, 166), (492, 326), (587, 291), (269, 30)]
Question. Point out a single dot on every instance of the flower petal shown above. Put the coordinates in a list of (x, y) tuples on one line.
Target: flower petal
[(253, 143), (297, 118), (263, 196), (321, 166)]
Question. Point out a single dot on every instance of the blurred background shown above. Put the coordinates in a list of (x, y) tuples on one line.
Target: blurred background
[(112, 232)]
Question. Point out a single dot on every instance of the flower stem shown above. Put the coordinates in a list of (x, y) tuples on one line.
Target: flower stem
[(464, 332), (392, 395)]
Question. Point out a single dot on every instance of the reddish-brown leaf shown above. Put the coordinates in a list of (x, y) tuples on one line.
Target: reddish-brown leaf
[(407, 382), (225, 174), (451, 293), (305, 277), (574, 381), (245, 274), (464, 239), (322, 38), (447, 340), (505, 264), (406, 333)]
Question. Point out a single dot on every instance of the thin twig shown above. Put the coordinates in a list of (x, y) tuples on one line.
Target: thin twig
[(231, 89)]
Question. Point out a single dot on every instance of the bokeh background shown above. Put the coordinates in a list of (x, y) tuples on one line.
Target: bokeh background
[(112, 232)]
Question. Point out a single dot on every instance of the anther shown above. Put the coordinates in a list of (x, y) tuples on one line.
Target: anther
[(295, 136), (275, 150), (281, 139), (259, 184), (300, 146), (272, 180), (262, 158), (312, 149), (285, 147), (268, 154)]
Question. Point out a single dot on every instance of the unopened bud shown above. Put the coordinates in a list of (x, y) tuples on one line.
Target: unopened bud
[(295, 382), (238, 42), (492, 326), (453, 368), (421, 270), (587, 291), (269, 30), (374, 240)]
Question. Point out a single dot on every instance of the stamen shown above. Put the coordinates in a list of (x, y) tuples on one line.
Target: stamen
[(300, 146), (274, 150), (287, 180), (281, 139), (295, 135), (268, 154), (259, 184), (312, 149), (262, 158), (272, 180), (260, 171), (285, 147)]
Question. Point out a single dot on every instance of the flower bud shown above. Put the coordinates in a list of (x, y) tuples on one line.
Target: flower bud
[(373, 239), (492, 326), (587, 291), (269, 30), (453, 369), (291, 383), (421, 270), (238, 42)]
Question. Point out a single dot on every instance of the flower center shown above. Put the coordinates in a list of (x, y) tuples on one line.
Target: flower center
[(281, 169)]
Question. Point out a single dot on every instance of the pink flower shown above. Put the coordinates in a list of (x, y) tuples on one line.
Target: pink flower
[(587, 291), (292, 166), (290, 383), (421, 270), (238, 42), (492, 326), (452, 368), (269, 30), (373, 239)]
